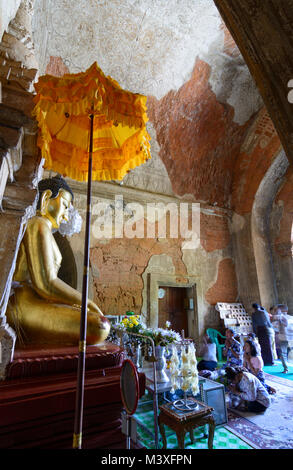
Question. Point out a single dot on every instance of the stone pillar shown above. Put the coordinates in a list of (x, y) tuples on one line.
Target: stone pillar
[(260, 230), (20, 163), (19, 174), (284, 260), (264, 265), (244, 259), (9, 245)]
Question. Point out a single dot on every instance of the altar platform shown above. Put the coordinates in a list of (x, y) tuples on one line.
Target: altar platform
[(37, 398)]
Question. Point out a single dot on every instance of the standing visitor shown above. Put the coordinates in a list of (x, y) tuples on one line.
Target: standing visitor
[(275, 323), (263, 329), (284, 334)]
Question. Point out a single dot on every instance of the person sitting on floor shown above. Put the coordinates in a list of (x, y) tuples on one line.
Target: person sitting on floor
[(232, 350), (234, 353), (246, 391), (254, 338), (209, 355), (253, 362)]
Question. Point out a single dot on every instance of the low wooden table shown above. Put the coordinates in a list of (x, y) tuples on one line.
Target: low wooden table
[(186, 421)]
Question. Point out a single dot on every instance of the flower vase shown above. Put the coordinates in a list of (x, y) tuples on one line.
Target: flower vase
[(161, 364)]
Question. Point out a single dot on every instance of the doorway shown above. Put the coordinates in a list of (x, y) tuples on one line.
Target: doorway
[(173, 307)]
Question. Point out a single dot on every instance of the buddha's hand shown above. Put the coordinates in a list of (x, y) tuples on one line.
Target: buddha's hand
[(103, 322), (92, 307)]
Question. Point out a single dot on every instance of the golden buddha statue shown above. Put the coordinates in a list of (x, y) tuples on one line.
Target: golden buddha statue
[(43, 309)]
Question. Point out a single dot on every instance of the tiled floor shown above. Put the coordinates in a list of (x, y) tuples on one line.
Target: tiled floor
[(223, 439)]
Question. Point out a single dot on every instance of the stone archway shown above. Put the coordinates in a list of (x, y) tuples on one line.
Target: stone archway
[(282, 233), (260, 229)]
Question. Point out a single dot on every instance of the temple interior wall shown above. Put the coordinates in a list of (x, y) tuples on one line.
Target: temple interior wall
[(218, 155), (281, 239), (120, 266)]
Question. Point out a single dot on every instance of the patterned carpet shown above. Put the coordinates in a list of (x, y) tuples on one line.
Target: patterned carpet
[(272, 429)]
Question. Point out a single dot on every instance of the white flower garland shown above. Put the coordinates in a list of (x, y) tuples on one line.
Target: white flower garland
[(184, 373)]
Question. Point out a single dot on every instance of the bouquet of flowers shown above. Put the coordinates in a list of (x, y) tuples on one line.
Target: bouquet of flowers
[(131, 324), (162, 336)]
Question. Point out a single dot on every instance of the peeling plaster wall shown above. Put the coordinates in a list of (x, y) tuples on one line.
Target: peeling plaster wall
[(119, 266), (214, 283), (145, 46), (212, 140), (230, 78), (199, 142), (261, 231), (259, 148), (257, 157), (153, 175), (248, 290), (178, 53)]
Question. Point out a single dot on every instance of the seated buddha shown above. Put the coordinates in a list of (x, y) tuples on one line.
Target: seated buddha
[(43, 309)]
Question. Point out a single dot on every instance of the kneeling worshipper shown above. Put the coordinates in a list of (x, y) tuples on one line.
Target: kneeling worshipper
[(246, 392)]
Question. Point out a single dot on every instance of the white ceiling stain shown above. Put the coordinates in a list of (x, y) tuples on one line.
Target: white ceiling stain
[(148, 46)]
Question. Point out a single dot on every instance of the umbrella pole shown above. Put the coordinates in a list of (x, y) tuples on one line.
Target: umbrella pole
[(78, 418)]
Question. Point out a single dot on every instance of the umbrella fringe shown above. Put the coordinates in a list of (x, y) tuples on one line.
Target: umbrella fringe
[(83, 107)]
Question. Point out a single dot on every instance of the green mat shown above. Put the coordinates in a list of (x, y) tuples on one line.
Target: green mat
[(274, 370), (277, 370), (223, 439)]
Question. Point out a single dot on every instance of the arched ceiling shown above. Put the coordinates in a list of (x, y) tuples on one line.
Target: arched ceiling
[(201, 96), (148, 47), (263, 31)]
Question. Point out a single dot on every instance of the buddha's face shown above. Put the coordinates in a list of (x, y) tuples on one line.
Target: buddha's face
[(57, 208)]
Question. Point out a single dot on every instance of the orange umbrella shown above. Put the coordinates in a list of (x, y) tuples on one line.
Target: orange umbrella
[(89, 128), (120, 140)]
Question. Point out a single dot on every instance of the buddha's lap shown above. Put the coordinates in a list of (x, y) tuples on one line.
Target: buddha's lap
[(38, 317)]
